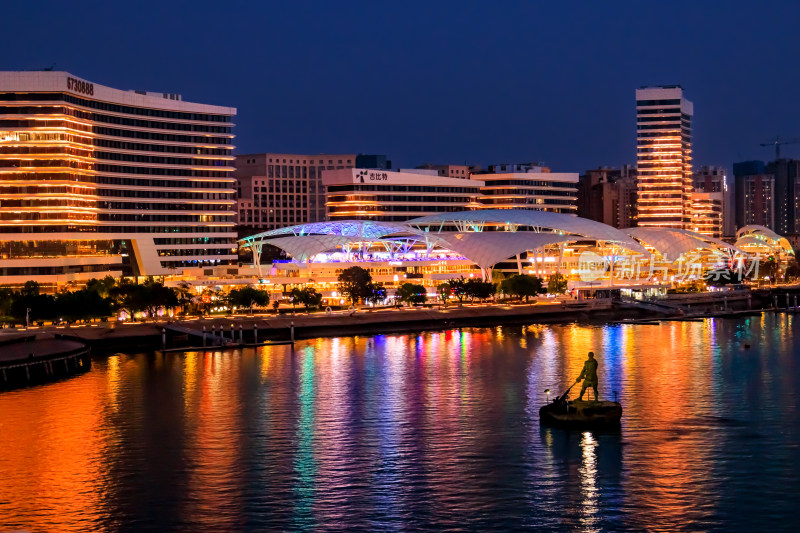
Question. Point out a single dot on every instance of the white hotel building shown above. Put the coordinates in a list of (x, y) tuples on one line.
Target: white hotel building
[(97, 181)]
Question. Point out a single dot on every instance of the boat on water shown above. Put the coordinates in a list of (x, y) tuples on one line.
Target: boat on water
[(580, 414)]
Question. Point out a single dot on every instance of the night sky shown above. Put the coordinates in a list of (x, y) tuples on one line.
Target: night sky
[(442, 82)]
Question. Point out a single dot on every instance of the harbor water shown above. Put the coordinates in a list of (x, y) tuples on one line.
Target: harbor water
[(431, 431)]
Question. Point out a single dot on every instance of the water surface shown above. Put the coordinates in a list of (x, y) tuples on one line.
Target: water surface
[(411, 432)]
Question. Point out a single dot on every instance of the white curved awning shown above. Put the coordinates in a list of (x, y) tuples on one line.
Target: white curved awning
[(670, 244), (539, 220), (307, 246), (486, 249), (365, 229)]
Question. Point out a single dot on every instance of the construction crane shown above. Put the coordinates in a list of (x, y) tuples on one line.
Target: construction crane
[(777, 143)]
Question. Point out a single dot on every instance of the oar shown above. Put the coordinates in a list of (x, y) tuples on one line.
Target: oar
[(564, 396)]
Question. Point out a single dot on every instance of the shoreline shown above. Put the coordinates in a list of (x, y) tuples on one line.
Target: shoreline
[(114, 337)]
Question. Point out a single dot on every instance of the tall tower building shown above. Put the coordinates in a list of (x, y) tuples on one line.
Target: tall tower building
[(664, 157)]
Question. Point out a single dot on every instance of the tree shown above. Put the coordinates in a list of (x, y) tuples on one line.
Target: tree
[(412, 294), (101, 286), (84, 304), (248, 297), (557, 284), (31, 288), (444, 292), (149, 297), (459, 288), (481, 290), (377, 293), (722, 277), (184, 293), (307, 296), (158, 296), (354, 283), (792, 270), (295, 297), (769, 269), (41, 306), (6, 302), (522, 285)]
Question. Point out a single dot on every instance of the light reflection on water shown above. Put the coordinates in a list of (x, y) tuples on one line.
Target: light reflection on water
[(433, 430)]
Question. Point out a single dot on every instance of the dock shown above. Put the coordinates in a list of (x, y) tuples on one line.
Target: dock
[(30, 360)]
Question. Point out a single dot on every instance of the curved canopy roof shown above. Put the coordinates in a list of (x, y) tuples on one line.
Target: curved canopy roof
[(761, 230), (303, 248), (755, 236), (488, 249), (671, 243), (363, 229), (556, 222)]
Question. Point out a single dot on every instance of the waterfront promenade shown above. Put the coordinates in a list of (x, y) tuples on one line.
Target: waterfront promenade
[(117, 335), (246, 328)]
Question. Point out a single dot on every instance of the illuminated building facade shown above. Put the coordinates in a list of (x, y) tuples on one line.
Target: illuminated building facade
[(714, 179), (707, 211), (97, 181), (664, 157), (389, 196), (277, 190), (528, 186)]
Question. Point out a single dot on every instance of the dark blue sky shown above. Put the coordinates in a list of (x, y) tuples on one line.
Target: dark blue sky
[(440, 81)]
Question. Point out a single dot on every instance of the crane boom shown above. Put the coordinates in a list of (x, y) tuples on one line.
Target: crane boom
[(777, 143)]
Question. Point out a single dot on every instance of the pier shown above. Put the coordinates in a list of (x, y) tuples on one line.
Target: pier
[(27, 360)]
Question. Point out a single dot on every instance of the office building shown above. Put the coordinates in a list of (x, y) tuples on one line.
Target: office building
[(392, 196), (527, 186), (99, 181), (664, 157), (608, 195), (707, 213), (277, 190), (714, 179)]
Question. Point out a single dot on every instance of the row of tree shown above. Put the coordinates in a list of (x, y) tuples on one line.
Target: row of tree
[(355, 283), (100, 298)]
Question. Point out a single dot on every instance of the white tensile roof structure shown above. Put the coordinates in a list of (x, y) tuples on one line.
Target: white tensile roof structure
[(486, 249), (672, 243), (755, 237), (537, 221), (486, 237)]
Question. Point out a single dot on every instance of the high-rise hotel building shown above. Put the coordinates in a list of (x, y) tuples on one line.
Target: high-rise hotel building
[(96, 181), (664, 157)]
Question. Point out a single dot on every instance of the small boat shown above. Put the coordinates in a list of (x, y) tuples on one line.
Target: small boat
[(580, 414)]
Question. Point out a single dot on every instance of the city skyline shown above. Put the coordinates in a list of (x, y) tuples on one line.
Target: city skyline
[(550, 84)]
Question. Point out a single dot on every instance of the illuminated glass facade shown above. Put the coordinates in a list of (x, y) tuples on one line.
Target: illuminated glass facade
[(664, 157), (95, 180)]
